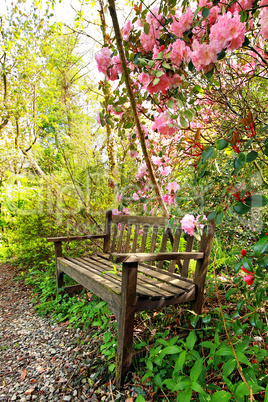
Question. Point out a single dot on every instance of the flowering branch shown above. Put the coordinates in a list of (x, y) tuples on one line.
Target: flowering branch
[(134, 107)]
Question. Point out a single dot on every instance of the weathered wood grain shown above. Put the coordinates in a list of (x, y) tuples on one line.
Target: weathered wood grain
[(131, 257)]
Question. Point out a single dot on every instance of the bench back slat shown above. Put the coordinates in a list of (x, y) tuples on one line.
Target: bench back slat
[(163, 246), (189, 247), (144, 238), (135, 234), (135, 240), (154, 239), (175, 248)]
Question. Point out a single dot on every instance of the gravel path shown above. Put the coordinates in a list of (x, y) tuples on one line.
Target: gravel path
[(43, 361)]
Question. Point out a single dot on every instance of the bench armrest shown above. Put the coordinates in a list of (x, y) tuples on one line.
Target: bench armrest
[(69, 238), (140, 257)]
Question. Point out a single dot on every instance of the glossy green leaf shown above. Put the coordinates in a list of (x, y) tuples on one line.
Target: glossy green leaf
[(261, 246), (256, 201), (170, 104), (241, 209), (146, 28), (228, 367), (239, 161), (222, 144), (251, 156), (205, 12), (221, 396), (207, 153)]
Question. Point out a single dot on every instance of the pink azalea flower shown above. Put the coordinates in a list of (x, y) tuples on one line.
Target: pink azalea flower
[(97, 118), (157, 160), (172, 186), (264, 22), (228, 32), (166, 171), (135, 197), (164, 125), (126, 30), (169, 198), (103, 59), (203, 54), (179, 53), (188, 223)]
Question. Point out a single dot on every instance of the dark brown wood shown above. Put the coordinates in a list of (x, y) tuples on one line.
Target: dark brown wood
[(144, 238), (135, 240), (114, 237), (163, 246), (107, 238), (131, 257), (126, 320), (175, 247), (73, 288), (201, 268), (189, 247), (154, 239)]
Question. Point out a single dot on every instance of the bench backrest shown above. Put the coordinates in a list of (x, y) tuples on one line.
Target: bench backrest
[(130, 234)]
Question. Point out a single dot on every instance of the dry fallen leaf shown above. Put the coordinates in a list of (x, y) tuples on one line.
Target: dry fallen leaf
[(23, 374), (129, 400)]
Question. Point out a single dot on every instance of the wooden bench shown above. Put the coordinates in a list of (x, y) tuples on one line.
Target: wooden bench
[(130, 279)]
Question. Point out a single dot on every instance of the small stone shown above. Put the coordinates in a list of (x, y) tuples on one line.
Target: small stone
[(28, 398), (75, 392), (84, 380), (34, 397), (67, 398), (14, 397)]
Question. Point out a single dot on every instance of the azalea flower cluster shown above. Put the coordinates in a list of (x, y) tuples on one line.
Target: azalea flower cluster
[(189, 223)]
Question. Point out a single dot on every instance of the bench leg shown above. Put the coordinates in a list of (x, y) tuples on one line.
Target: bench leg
[(126, 321), (60, 280)]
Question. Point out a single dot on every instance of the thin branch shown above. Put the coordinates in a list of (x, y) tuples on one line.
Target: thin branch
[(151, 172)]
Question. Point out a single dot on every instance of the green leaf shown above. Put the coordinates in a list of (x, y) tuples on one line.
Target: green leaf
[(207, 153), (211, 216), (209, 74), (159, 74), (221, 55), (169, 350), (146, 28), (166, 65), (191, 339), (243, 359), (208, 344), (160, 55), (228, 367), (221, 144), (221, 396), (256, 201), (251, 156), (183, 122), (156, 81), (261, 246), (186, 396), (239, 161), (196, 370), (129, 125), (224, 351), (205, 12), (219, 217), (188, 114), (180, 362), (238, 329), (140, 398), (242, 390), (241, 209), (247, 263), (170, 104)]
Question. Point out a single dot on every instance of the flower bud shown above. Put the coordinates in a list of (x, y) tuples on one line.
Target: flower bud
[(243, 252)]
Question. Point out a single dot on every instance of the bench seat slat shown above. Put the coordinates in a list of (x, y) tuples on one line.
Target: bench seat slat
[(150, 286)]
